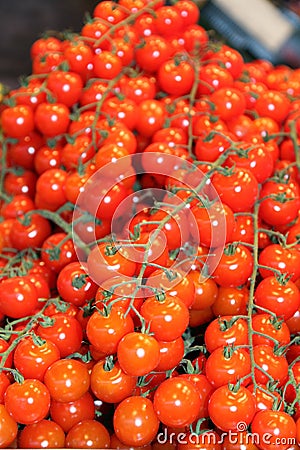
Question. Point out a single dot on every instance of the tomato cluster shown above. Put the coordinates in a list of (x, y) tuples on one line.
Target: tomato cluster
[(149, 240)]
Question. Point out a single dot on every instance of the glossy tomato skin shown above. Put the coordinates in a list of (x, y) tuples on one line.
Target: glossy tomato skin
[(20, 183), (17, 121), (226, 330), (138, 353), (74, 285), (153, 115), (239, 190), (171, 354), (135, 421), (44, 433), (4, 383), (153, 53), (50, 187), (273, 209), (33, 360), (206, 291), (231, 301), (18, 206), (176, 79), (66, 86), (223, 366), (88, 434), (9, 428), (235, 266), (204, 389), (167, 319), (68, 414), (67, 380), (283, 299), (266, 400), (274, 366), (27, 402), (283, 260), (227, 408), (23, 152), (229, 102), (31, 233), (278, 425), (57, 251), (111, 385), (99, 329), (65, 332), (269, 326), (176, 402), (18, 297), (52, 119), (102, 264)]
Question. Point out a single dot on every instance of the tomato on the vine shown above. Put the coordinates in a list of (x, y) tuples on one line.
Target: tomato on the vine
[(227, 408)]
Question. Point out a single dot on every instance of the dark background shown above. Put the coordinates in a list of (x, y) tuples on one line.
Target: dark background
[(23, 21)]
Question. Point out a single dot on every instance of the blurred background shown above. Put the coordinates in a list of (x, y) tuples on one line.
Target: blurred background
[(22, 22)]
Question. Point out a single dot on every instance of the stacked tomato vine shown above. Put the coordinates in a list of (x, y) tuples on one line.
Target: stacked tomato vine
[(103, 350)]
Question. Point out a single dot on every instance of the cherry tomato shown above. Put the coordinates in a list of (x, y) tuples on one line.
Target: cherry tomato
[(57, 251), (274, 366), (50, 187), (280, 260), (226, 330), (281, 298), (32, 359), (171, 354), (265, 398), (74, 285), (105, 261), (229, 102), (153, 53), (234, 267), (111, 385), (135, 421), (67, 380), (267, 325), (30, 232), (227, 408), (23, 152), (18, 297), (65, 86), (68, 414), (231, 301), (277, 425), (138, 353), (27, 402), (45, 434), (88, 433), (176, 77), (279, 202), (52, 119), (64, 331), (105, 330), (206, 291), (238, 189), (17, 121), (9, 428), (167, 318), (225, 366), (176, 402)]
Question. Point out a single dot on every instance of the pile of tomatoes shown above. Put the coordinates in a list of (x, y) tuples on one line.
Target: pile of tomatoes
[(150, 240)]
